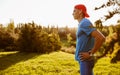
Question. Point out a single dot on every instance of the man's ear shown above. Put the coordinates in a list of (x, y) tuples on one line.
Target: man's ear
[(80, 11)]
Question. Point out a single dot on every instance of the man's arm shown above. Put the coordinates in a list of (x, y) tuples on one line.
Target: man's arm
[(99, 39)]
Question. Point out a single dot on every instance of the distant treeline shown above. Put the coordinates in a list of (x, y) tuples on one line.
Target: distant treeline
[(30, 37)]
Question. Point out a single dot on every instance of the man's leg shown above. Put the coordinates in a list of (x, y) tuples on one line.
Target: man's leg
[(86, 67)]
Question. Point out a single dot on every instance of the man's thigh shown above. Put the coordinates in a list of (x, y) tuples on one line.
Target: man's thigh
[(86, 67)]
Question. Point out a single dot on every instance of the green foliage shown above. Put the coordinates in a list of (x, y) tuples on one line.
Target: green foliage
[(67, 36), (7, 40), (63, 32), (11, 27), (54, 41), (55, 63), (35, 39), (70, 40), (110, 47), (98, 25), (112, 44), (104, 67)]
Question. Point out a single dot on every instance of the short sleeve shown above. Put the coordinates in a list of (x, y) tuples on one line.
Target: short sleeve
[(87, 27)]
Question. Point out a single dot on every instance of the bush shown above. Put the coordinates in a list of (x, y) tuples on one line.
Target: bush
[(7, 41), (35, 39), (70, 40)]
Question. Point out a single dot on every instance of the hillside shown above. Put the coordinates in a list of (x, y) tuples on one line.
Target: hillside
[(56, 63)]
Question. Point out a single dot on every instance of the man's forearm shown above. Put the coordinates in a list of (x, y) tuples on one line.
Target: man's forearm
[(99, 39), (97, 45)]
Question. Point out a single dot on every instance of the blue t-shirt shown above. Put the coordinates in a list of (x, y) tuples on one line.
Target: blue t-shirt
[(84, 40)]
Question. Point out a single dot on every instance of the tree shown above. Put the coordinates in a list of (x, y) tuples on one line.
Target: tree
[(36, 39), (112, 47), (10, 27), (110, 3), (98, 24)]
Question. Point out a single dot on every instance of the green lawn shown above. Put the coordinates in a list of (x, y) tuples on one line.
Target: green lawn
[(56, 63)]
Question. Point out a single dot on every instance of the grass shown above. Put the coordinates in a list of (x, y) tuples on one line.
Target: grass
[(56, 63), (104, 67)]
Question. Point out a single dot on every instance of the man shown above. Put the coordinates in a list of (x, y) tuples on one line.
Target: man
[(89, 40)]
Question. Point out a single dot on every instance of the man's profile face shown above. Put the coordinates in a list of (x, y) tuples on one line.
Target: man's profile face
[(76, 13)]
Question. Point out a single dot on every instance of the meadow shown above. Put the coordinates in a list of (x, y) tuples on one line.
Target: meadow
[(55, 63)]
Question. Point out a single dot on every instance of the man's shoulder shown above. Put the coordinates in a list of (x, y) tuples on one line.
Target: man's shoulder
[(91, 26), (86, 22)]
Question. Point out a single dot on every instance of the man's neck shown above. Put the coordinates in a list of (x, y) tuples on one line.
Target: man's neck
[(80, 19)]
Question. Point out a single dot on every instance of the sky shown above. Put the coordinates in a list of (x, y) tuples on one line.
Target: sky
[(50, 12)]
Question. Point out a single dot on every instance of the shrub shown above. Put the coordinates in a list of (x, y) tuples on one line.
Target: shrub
[(34, 39), (7, 41)]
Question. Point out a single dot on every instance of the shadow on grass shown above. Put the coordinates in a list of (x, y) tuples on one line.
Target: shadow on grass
[(11, 59)]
